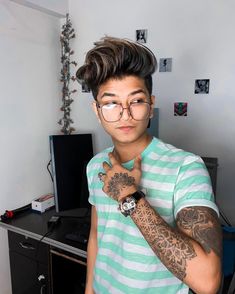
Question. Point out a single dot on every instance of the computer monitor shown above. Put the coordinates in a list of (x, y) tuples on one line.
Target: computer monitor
[(70, 155)]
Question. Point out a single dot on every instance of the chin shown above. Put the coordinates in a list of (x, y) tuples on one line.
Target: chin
[(127, 139)]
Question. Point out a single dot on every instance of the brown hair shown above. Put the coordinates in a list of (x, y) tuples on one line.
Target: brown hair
[(116, 58)]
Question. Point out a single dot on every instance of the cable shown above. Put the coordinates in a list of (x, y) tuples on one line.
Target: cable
[(39, 276), (49, 163)]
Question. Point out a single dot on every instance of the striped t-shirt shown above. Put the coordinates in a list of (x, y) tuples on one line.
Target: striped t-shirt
[(171, 179)]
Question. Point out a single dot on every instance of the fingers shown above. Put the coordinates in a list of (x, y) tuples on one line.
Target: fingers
[(113, 159), (106, 166), (137, 163)]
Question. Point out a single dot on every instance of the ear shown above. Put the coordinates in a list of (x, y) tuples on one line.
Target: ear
[(94, 107), (152, 100)]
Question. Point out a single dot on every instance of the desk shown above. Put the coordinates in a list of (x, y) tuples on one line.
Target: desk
[(48, 258)]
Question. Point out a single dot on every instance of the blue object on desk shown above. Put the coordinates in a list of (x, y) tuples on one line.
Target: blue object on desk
[(228, 250)]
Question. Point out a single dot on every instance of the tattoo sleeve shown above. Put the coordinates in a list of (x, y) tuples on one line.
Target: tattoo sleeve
[(203, 226), (173, 248), (171, 245)]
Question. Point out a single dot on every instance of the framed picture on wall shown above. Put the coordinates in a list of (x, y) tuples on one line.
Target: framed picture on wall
[(141, 36), (202, 86), (165, 65)]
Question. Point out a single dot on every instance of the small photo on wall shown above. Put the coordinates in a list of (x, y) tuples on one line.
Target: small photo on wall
[(180, 109), (85, 88), (141, 36), (165, 65), (202, 86)]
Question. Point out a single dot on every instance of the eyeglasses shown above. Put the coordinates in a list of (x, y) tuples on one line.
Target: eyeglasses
[(112, 112)]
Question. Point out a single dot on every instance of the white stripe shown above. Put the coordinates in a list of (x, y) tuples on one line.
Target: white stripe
[(139, 267), (137, 283), (192, 173), (156, 202), (167, 187), (165, 158), (159, 170)]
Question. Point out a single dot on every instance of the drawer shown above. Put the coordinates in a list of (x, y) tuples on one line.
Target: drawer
[(28, 247)]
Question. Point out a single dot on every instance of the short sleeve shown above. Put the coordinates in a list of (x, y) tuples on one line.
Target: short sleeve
[(193, 186), (91, 198)]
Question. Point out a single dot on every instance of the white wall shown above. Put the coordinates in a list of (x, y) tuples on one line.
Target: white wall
[(57, 8), (29, 103), (198, 35)]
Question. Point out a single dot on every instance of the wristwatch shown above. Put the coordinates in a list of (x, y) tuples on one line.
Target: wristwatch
[(128, 205)]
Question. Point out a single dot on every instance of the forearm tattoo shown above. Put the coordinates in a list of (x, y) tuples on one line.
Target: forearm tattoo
[(172, 247), (119, 182), (203, 226)]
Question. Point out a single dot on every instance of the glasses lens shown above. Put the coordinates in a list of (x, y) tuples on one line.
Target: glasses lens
[(140, 111), (111, 112)]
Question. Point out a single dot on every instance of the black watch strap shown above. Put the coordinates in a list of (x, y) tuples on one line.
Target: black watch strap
[(138, 195)]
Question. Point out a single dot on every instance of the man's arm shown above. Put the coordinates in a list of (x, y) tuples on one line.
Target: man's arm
[(192, 251), (91, 252)]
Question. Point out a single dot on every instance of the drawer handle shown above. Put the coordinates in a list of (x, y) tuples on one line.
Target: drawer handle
[(27, 245)]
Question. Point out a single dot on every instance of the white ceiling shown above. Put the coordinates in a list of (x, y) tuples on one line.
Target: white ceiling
[(57, 8)]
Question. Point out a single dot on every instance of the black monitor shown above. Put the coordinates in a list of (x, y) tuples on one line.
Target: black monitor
[(70, 155)]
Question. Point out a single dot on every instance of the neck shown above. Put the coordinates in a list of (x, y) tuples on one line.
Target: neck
[(127, 152)]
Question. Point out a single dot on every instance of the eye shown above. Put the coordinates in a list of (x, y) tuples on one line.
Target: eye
[(138, 100), (110, 105)]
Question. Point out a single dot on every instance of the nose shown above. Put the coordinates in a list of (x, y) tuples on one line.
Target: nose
[(125, 115)]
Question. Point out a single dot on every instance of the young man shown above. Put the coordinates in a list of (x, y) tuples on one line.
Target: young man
[(154, 226)]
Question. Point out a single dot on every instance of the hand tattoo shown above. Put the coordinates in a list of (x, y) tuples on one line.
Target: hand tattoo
[(119, 182), (203, 224)]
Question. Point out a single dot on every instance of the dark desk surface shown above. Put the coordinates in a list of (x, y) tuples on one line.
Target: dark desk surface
[(34, 225)]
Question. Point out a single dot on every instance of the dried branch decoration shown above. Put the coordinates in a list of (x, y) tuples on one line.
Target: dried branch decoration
[(67, 34)]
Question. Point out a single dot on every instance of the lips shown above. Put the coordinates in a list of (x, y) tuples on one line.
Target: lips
[(125, 128)]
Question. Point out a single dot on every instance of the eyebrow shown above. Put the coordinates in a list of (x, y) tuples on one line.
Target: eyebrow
[(131, 94)]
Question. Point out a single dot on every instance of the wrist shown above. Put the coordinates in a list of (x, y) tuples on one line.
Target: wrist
[(128, 193)]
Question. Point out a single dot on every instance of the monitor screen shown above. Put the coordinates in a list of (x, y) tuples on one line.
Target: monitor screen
[(70, 155)]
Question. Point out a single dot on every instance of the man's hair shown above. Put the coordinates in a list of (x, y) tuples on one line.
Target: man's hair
[(116, 58)]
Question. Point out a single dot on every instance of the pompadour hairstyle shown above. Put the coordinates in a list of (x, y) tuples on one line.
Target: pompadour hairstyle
[(116, 58)]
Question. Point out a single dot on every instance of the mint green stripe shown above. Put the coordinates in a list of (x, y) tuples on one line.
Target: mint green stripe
[(132, 256), (134, 274), (194, 180)]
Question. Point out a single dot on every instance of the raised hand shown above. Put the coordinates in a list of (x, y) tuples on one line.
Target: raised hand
[(120, 182)]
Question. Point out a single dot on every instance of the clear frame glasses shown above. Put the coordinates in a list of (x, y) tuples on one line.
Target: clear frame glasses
[(112, 112)]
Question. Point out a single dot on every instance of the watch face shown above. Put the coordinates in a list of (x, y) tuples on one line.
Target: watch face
[(128, 205)]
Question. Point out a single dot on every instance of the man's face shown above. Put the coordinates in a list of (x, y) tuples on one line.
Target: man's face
[(126, 91)]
